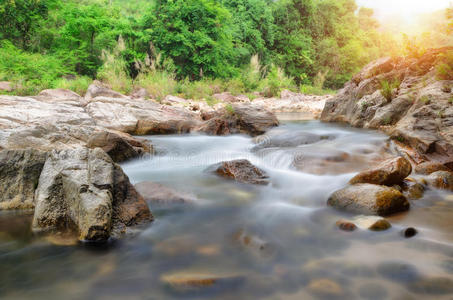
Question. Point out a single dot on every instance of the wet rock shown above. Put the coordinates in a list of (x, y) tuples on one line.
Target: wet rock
[(369, 199), (156, 193), (441, 180), (98, 89), (409, 232), (433, 286), (426, 168), (398, 272), (240, 170), (414, 191), (325, 287), (346, 225), (19, 176), (372, 223), (390, 172), (83, 190), (187, 282)]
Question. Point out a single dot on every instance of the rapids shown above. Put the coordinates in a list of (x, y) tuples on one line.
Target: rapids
[(257, 242)]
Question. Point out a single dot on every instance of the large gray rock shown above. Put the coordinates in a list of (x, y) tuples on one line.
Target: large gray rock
[(85, 191), (19, 176), (419, 115), (369, 199)]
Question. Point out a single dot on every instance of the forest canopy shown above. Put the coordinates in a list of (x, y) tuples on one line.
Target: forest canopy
[(305, 42)]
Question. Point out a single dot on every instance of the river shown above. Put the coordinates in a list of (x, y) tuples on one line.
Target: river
[(246, 242)]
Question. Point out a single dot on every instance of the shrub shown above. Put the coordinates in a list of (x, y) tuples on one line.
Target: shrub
[(114, 69), (29, 72), (312, 90), (387, 88), (78, 84), (275, 82), (158, 84), (444, 67)]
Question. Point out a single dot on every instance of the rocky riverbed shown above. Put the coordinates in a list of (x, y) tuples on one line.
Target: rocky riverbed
[(244, 205)]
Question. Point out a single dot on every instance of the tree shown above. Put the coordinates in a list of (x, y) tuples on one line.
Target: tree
[(19, 19), (252, 28), (194, 34)]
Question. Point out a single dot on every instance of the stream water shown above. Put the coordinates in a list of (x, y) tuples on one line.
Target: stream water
[(255, 242)]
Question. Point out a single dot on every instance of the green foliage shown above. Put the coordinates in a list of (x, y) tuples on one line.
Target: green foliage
[(313, 90), (30, 73), (387, 88), (425, 99), (230, 109), (78, 84), (194, 34), (444, 67), (275, 82)]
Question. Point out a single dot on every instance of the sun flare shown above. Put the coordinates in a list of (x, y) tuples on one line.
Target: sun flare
[(407, 10)]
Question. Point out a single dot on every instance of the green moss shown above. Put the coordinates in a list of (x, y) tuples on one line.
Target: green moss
[(387, 88)]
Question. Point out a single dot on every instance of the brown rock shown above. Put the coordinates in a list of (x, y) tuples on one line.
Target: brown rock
[(372, 223), (346, 225), (240, 170), (187, 281), (98, 89), (390, 172), (369, 199), (325, 287), (426, 168), (441, 180)]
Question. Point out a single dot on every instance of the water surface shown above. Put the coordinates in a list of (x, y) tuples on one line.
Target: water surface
[(268, 242)]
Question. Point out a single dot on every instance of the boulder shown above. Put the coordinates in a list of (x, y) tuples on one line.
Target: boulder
[(229, 98), (85, 191), (140, 93), (19, 176), (441, 180), (369, 199), (426, 168), (97, 89), (239, 118), (59, 94), (240, 170), (419, 115), (390, 172), (346, 225), (119, 146), (155, 193)]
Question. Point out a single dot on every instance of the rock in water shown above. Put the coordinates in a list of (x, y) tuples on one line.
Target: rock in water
[(240, 118), (426, 168), (390, 172), (159, 194), (369, 199), (441, 180), (19, 176), (240, 170), (373, 223), (85, 191)]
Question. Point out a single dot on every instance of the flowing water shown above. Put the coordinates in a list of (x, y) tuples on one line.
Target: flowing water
[(238, 241)]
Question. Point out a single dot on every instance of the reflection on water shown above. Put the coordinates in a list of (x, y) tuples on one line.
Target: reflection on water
[(246, 242)]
